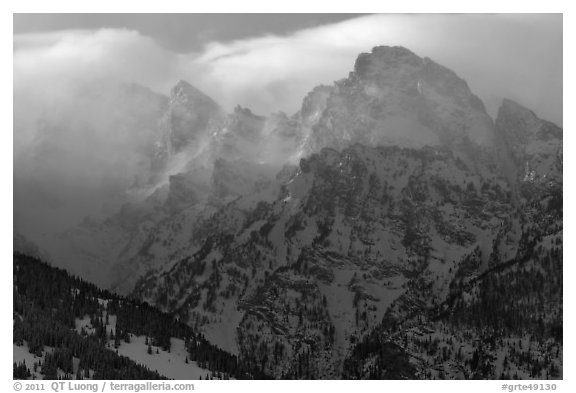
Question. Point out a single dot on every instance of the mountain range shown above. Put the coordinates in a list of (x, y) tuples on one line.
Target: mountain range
[(388, 229)]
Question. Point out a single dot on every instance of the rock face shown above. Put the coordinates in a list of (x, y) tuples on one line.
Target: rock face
[(383, 249), (396, 98)]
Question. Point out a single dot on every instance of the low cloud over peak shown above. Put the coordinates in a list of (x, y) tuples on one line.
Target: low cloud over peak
[(515, 56)]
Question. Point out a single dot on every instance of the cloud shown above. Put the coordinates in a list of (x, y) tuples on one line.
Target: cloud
[(517, 56), (514, 56), (85, 54), (78, 140), (72, 78)]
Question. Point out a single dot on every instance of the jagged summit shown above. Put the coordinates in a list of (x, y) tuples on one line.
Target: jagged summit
[(521, 123), (394, 97), (398, 51), (402, 69), (511, 105), (184, 91), (188, 118), (522, 118), (385, 57)]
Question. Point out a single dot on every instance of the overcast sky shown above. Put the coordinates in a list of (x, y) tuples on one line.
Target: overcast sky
[(179, 32), (269, 62)]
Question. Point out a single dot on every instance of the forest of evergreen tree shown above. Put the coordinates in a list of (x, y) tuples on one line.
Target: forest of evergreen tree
[(47, 303)]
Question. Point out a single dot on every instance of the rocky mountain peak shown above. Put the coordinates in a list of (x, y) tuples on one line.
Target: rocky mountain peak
[(402, 70), (521, 124), (516, 121), (510, 106), (370, 65), (184, 92), (188, 118), (396, 98)]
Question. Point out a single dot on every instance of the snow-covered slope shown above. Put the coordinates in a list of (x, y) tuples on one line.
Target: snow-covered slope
[(172, 363)]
